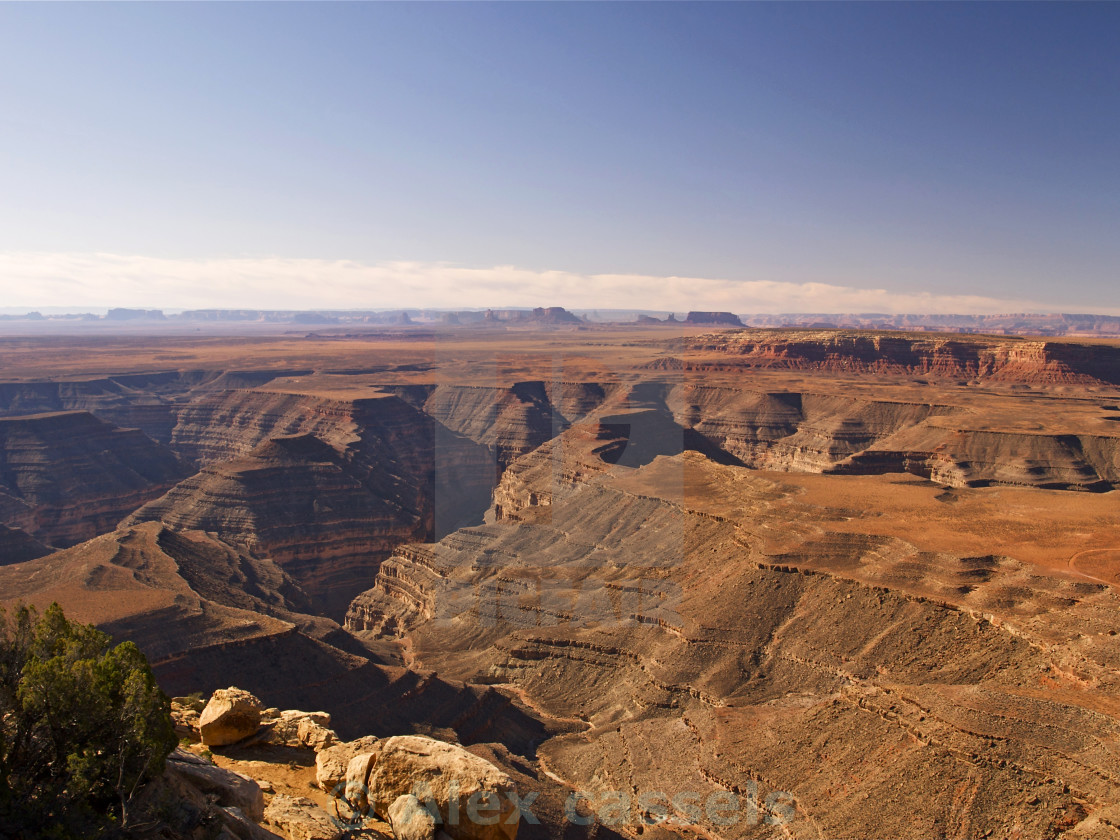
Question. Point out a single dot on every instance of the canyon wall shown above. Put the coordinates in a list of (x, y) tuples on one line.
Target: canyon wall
[(68, 476), (846, 680), (327, 488), (972, 358)]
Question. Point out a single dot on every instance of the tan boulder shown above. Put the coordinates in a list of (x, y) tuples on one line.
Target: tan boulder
[(311, 733), (411, 820), (356, 792), (475, 800), (229, 717), (301, 819), (293, 728), (330, 763)]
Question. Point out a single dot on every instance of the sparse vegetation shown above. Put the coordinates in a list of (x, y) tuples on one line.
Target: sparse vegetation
[(82, 726)]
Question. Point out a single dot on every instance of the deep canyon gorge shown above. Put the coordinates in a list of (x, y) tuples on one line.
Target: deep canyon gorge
[(866, 580)]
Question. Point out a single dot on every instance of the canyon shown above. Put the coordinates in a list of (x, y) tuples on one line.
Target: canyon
[(860, 583)]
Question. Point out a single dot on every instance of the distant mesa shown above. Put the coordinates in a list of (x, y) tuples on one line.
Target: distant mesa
[(314, 318), (120, 314), (1043, 324), (723, 319), (540, 315)]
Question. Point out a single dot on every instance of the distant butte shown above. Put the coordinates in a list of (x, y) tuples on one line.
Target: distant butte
[(723, 319)]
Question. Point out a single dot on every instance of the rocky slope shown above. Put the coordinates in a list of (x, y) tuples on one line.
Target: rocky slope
[(836, 682), (202, 611), (67, 476), (17, 545)]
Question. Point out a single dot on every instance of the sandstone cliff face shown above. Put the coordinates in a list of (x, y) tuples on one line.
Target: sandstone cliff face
[(68, 476), (233, 423), (974, 358), (509, 421), (970, 458), (795, 431), (300, 503)]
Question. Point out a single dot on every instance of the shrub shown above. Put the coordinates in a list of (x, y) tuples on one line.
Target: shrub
[(82, 725)]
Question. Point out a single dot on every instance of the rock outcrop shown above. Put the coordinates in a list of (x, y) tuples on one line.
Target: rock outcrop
[(230, 789), (475, 800), (331, 762), (294, 728), (231, 716), (299, 818)]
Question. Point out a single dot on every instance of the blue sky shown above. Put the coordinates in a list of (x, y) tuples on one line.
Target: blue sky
[(753, 157)]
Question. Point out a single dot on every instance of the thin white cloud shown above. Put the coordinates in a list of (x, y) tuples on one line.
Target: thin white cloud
[(102, 280)]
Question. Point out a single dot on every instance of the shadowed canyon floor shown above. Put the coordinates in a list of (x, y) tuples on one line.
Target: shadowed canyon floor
[(859, 585)]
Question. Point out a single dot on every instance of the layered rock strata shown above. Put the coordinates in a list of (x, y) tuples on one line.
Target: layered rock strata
[(68, 476), (329, 509), (206, 613), (856, 353), (699, 660)]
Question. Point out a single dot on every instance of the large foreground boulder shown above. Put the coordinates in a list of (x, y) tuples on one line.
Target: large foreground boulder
[(228, 788), (239, 825), (301, 819), (231, 716), (473, 798), (331, 762)]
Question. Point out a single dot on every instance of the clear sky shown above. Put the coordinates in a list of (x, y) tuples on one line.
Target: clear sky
[(753, 157)]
